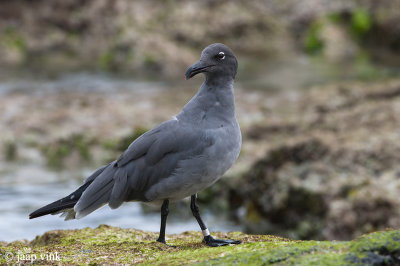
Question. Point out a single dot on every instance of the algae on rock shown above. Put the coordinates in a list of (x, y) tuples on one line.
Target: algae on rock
[(106, 244)]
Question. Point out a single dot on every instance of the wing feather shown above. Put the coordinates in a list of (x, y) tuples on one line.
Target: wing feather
[(150, 159)]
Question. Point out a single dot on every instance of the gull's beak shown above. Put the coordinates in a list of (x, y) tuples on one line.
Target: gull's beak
[(196, 69)]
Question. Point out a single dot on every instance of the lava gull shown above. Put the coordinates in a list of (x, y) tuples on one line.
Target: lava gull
[(174, 160)]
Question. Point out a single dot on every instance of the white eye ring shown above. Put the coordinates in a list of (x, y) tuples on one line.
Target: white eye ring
[(221, 55)]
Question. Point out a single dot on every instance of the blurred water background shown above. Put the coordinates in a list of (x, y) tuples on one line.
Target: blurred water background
[(317, 99)]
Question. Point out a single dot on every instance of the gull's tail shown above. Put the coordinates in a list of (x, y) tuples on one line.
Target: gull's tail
[(66, 205), (62, 205)]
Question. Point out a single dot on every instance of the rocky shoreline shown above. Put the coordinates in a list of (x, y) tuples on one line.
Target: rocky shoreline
[(110, 245), (331, 170), (151, 39)]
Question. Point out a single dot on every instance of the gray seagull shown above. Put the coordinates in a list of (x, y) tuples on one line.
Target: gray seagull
[(174, 160)]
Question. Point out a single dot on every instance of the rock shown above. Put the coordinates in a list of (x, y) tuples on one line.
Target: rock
[(109, 245), (138, 37), (151, 38), (330, 170)]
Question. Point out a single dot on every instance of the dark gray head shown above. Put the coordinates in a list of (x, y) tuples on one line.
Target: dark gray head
[(217, 61)]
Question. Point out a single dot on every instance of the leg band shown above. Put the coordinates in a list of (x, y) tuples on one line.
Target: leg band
[(205, 232)]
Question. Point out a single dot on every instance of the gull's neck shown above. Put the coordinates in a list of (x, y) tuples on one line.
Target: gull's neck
[(214, 101)]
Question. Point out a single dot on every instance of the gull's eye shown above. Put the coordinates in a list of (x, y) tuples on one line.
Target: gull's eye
[(220, 55)]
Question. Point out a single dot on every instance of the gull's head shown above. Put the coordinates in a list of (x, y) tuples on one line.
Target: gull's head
[(217, 60)]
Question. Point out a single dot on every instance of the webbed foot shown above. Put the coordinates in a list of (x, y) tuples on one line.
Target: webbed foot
[(211, 242)]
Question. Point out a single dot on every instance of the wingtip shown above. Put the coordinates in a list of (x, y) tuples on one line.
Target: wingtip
[(32, 215), (37, 213)]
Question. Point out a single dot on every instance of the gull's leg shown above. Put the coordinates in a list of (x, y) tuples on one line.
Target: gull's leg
[(208, 239), (164, 214)]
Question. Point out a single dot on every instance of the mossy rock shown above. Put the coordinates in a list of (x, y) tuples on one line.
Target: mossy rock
[(107, 244), (55, 153)]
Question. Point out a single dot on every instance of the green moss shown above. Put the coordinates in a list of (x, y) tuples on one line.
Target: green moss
[(81, 144), (286, 252), (381, 248), (107, 244), (335, 17), (55, 153), (105, 60), (10, 150), (149, 59), (11, 38), (361, 22), (389, 239), (313, 42), (122, 144)]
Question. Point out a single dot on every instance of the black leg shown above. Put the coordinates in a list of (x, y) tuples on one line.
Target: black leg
[(196, 212), (208, 239), (164, 214)]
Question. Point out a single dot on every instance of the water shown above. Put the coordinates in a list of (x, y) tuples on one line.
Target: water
[(27, 188), (78, 82)]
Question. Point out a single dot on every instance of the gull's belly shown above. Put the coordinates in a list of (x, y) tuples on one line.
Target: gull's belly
[(197, 173), (223, 154)]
